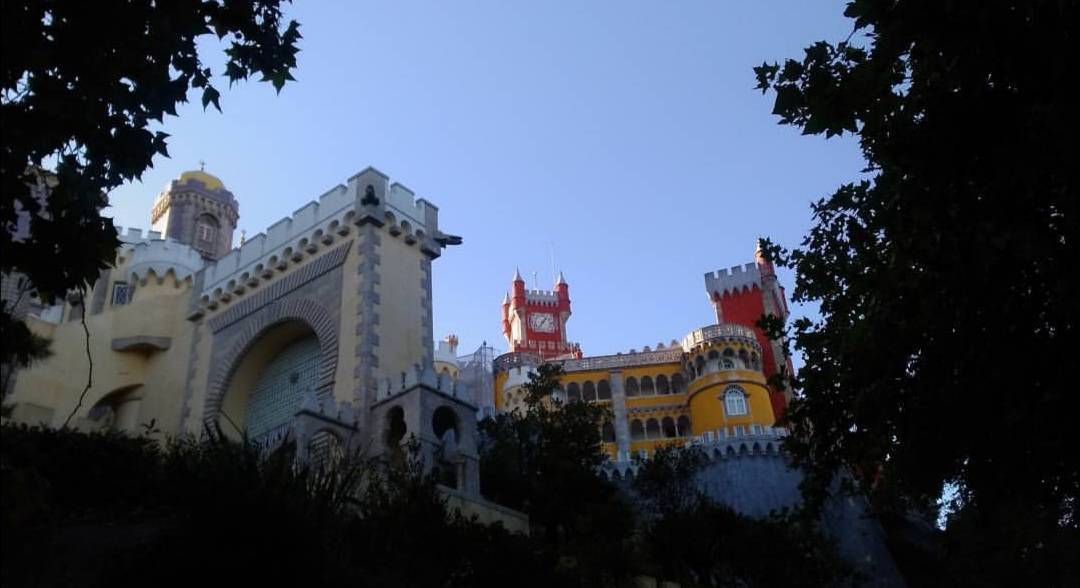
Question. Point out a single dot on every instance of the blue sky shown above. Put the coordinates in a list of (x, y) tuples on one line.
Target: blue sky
[(624, 136)]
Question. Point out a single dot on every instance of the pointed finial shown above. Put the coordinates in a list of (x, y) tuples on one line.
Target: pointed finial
[(759, 251), (506, 298), (561, 280), (517, 275), (202, 165)]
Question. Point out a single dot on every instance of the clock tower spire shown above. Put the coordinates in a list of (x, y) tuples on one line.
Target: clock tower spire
[(535, 320)]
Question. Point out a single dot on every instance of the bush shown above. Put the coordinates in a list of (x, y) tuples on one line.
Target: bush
[(104, 509)]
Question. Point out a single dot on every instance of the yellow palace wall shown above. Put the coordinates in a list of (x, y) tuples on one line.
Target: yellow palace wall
[(49, 391), (701, 400)]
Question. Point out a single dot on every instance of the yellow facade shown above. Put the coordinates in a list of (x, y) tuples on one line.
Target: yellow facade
[(157, 355), (664, 396), (314, 334), (128, 345)]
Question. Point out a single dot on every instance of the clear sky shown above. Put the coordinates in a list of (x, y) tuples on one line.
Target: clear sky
[(625, 137)]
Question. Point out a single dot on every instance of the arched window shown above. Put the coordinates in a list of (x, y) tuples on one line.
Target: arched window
[(573, 392), (652, 429), (754, 361), (637, 430), (603, 390), (607, 432), (668, 427), (647, 388), (206, 230), (395, 426), (683, 425), (588, 392), (714, 354), (662, 385), (744, 357), (735, 401), (699, 363), (444, 422), (677, 384), (631, 386)]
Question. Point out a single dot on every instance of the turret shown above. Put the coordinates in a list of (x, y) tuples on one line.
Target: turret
[(775, 300), (764, 264), (195, 209), (562, 289), (517, 288), (506, 316), (741, 295)]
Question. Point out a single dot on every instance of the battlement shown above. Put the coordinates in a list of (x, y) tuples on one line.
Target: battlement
[(386, 387), (134, 235), (659, 347), (548, 348), (400, 201), (733, 279), (739, 441), (542, 297), (446, 352), (318, 221), (161, 256)]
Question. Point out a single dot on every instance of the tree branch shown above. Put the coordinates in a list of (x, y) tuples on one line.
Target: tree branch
[(89, 359)]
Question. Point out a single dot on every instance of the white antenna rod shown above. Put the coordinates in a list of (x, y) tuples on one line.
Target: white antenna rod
[(551, 251)]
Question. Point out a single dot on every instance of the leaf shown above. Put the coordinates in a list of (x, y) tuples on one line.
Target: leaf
[(211, 95)]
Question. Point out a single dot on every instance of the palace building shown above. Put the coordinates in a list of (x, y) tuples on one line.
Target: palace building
[(315, 336), (316, 333), (712, 385)]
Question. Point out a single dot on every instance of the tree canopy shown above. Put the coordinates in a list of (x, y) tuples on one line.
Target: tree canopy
[(544, 459), (948, 308), (83, 84)]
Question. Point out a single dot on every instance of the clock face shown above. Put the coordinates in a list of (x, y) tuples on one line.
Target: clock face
[(542, 322)]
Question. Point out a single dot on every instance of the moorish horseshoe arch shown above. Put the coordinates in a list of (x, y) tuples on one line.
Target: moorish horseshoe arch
[(303, 310)]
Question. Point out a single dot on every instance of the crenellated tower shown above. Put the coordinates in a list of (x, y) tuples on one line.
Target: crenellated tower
[(535, 320), (741, 295)]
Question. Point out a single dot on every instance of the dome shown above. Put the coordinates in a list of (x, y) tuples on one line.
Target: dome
[(211, 181)]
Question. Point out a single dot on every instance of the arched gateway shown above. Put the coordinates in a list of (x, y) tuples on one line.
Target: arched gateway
[(286, 351)]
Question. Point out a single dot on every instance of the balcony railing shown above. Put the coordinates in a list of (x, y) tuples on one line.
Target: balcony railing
[(515, 359), (721, 331)]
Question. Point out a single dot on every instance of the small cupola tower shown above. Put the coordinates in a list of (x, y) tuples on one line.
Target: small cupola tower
[(196, 209), (535, 320)]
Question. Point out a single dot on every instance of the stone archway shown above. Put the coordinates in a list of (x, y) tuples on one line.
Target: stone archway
[(299, 313), (117, 410)]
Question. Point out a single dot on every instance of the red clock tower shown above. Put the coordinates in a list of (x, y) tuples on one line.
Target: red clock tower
[(535, 320)]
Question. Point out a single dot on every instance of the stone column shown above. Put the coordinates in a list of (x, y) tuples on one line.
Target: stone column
[(618, 407)]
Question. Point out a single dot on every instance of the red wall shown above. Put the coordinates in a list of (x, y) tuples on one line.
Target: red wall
[(745, 308)]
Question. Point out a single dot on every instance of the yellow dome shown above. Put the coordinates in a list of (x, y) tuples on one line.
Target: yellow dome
[(211, 182)]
